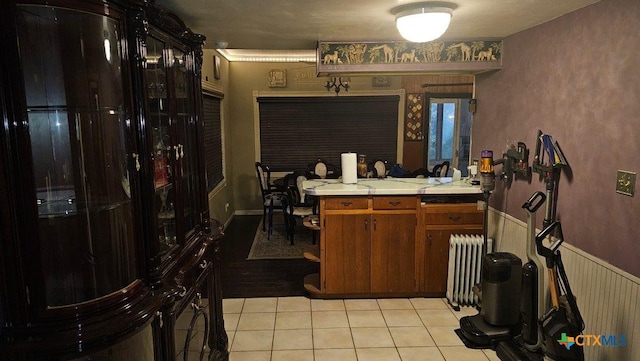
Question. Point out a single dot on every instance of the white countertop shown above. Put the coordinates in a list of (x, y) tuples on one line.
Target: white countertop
[(390, 186)]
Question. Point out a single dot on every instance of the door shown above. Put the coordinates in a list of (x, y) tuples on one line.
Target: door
[(347, 253), (436, 260), (81, 157), (449, 133), (393, 253), (174, 136)]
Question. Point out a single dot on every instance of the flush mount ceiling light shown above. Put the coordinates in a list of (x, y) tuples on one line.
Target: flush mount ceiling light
[(422, 22)]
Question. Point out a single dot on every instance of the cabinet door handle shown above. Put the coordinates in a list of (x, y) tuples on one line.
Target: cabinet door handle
[(181, 150), (375, 224), (136, 157), (454, 217), (160, 318), (430, 240), (366, 225), (395, 203), (346, 203)]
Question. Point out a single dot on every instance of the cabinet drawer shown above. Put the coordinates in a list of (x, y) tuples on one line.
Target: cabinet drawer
[(346, 203), (447, 214), (394, 202)]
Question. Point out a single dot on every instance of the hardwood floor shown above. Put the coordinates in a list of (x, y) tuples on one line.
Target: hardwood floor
[(257, 278)]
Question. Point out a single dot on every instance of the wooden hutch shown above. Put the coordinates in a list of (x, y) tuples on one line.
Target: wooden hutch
[(107, 251)]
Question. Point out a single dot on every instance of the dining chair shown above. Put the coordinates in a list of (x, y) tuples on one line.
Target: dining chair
[(441, 170), (272, 197), (322, 169), (296, 203), (421, 173), (378, 168)]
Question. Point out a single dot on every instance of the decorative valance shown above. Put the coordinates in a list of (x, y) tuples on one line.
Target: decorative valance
[(473, 56)]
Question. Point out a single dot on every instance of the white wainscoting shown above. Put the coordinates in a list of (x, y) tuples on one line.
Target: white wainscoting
[(608, 297)]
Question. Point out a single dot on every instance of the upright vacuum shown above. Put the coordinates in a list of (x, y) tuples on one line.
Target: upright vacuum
[(512, 297)]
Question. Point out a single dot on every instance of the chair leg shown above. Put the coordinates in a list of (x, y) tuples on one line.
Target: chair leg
[(264, 218), (293, 229), (270, 221)]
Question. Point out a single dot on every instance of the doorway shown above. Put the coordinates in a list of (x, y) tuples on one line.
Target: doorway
[(449, 130)]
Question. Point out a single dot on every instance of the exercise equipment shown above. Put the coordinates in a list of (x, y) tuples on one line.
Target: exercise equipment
[(563, 321)]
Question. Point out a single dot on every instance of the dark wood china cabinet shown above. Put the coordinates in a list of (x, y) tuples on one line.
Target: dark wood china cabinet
[(107, 251)]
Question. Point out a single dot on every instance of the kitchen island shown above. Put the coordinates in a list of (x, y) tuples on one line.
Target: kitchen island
[(389, 237)]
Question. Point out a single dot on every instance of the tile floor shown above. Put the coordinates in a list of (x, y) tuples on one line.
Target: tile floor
[(302, 329)]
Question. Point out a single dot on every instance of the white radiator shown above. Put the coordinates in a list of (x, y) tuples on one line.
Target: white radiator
[(465, 262)]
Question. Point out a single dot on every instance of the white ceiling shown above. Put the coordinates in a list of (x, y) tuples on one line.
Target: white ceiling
[(299, 24)]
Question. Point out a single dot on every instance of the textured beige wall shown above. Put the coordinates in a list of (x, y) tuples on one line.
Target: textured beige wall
[(250, 77), (575, 78), (222, 194)]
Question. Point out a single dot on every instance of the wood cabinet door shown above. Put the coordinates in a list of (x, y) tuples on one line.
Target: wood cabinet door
[(347, 251), (436, 260), (393, 253)]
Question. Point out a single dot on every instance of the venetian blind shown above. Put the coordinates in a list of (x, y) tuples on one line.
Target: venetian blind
[(212, 140), (295, 131)]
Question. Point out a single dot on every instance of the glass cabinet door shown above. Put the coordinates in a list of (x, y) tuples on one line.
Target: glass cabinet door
[(188, 145), (169, 78), (163, 151), (82, 161)]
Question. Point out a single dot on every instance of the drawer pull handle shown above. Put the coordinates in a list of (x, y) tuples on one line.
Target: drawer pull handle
[(183, 291), (454, 217), (395, 203), (346, 203), (204, 264)]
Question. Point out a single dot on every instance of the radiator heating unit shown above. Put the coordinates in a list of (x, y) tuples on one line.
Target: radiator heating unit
[(465, 262)]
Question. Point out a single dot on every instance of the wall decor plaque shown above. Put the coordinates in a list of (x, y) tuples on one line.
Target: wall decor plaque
[(277, 78)]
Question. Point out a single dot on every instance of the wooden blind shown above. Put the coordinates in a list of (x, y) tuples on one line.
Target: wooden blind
[(295, 131), (212, 140)]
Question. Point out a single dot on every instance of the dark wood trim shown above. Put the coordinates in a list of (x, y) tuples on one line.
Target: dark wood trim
[(32, 330)]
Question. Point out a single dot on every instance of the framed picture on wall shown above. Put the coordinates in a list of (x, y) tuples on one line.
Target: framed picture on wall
[(277, 78), (216, 67)]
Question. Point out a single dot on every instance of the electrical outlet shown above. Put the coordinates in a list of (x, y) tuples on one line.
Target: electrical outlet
[(226, 208), (626, 183)]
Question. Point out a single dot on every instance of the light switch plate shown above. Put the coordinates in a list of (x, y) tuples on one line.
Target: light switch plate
[(626, 183)]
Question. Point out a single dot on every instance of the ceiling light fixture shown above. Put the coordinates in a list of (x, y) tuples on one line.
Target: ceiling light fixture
[(422, 22)]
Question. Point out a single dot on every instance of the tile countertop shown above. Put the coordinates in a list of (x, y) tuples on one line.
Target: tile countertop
[(395, 186)]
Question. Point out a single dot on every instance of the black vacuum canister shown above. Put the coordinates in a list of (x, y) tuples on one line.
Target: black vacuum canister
[(501, 288)]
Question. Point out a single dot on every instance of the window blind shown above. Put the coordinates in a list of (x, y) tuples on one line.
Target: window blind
[(212, 140), (295, 131)]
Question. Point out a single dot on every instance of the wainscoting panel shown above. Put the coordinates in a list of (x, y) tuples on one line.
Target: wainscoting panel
[(607, 296)]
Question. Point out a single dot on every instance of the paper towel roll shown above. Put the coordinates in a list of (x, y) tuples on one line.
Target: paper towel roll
[(349, 168), (457, 174)]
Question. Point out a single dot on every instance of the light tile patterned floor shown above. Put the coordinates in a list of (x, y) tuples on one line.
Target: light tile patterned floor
[(302, 329)]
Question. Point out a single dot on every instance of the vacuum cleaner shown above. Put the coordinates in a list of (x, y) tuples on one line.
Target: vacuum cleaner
[(535, 332), (512, 295)]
